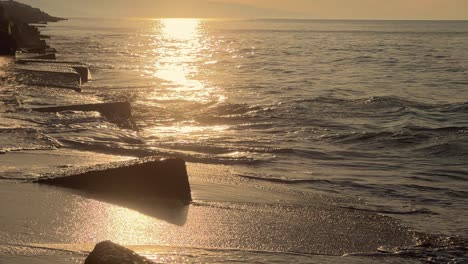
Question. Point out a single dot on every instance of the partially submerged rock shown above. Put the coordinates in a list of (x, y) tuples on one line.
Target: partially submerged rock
[(120, 109), (145, 179), (110, 253)]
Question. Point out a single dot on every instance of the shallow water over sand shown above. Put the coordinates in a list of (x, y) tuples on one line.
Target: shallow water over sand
[(363, 116)]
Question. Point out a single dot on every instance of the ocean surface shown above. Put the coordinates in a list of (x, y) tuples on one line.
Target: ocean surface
[(371, 113)]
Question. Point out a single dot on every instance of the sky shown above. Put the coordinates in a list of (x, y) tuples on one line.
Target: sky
[(314, 9)]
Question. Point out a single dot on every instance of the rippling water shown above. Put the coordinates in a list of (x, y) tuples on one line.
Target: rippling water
[(373, 111)]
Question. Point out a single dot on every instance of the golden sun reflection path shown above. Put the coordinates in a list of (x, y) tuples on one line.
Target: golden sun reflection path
[(184, 84), (179, 50)]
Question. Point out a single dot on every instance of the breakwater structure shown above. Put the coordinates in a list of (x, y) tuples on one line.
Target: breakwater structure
[(147, 179), (36, 65)]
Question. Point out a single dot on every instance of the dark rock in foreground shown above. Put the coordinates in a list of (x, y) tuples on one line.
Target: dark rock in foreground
[(109, 253), (120, 109), (145, 179)]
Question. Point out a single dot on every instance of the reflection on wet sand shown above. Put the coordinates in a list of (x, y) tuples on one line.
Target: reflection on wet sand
[(44, 215), (128, 210)]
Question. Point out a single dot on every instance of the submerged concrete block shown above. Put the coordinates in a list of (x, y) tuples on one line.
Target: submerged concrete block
[(143, 179), (82, 69), (26, 55), (48, 75), (25, 61), (119, 109), (110, 253)]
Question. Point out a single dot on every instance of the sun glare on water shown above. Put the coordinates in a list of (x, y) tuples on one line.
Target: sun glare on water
[(181, 28), (182, 48), (178, 52)]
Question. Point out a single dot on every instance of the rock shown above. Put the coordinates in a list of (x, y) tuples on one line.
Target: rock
[(7, 44), (28, 38), (110, 253), (16, 22), (119, 109), (150, 178)]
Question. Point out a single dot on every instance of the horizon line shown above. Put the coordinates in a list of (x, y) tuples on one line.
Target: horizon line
[(260, 18)]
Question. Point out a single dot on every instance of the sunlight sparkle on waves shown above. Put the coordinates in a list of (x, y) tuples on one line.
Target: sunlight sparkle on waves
[(181, 48), (178, 52)]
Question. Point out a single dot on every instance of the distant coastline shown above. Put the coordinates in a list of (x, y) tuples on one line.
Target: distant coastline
[(26, 14), (17, 30)]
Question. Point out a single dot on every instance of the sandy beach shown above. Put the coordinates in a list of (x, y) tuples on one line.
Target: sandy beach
[(60, 225)]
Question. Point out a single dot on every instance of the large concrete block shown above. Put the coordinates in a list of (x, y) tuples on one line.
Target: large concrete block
[(48, 75), (119, 109), (146, 179), (82, 69), (25, 55)]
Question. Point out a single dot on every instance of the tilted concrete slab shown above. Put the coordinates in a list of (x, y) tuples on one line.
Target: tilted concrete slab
[(118, 109), (82, 69), (25, 61), (26, 55), (48, 75), (148, 179)]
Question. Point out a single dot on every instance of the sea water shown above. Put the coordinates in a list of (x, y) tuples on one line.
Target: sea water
[(371, 113)]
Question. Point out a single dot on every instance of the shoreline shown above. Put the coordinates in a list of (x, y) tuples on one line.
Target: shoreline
[(219, 219), (228, 213)]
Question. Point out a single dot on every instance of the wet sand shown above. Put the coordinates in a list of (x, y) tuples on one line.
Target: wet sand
[(35, 217)]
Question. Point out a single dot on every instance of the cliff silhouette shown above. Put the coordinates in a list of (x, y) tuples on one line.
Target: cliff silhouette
[(24, 13), (15, 31)]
